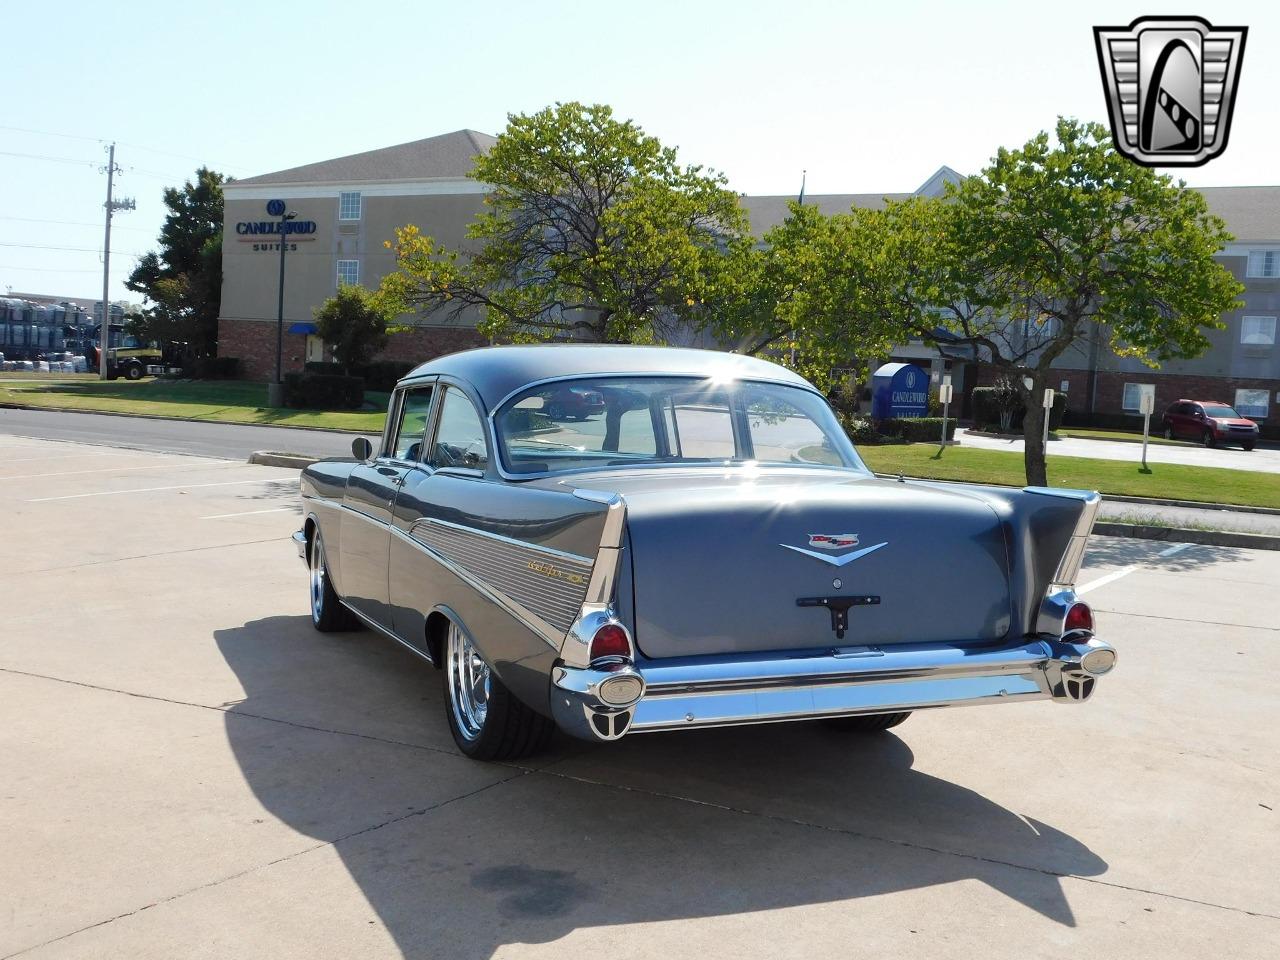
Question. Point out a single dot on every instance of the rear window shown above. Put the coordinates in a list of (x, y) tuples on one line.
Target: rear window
[(626, 421)]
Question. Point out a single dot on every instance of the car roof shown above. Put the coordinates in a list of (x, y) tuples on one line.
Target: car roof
[(497, 372)]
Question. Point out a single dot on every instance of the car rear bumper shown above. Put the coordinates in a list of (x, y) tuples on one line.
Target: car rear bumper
[(715, 692)]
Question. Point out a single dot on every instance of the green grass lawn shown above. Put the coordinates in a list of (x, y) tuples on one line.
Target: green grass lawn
[(229, 401), (1170, 481)]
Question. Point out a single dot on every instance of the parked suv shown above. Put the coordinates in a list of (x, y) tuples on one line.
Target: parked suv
[(1209, 422)]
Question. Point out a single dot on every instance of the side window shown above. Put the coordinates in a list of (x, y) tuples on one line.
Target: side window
[(412, 427), (459, 438)]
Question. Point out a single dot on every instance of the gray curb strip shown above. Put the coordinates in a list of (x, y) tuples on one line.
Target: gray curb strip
[(268, 458), (1214, 538)]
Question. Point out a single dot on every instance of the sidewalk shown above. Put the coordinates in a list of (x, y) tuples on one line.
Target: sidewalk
[(1231, 458)]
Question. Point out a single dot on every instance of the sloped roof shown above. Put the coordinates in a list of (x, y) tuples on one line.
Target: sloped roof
[(767, 212), (1252, 213), (447, 155)]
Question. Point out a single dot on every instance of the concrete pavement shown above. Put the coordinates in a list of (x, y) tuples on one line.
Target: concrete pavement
[(189, 770), (1261, 460)]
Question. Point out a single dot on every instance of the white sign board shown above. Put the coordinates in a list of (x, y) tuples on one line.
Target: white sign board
[(1048, 398), (1147, 401), (944, 393)]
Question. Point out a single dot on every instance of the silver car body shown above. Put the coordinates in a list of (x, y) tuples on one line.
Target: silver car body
[(728, 577)]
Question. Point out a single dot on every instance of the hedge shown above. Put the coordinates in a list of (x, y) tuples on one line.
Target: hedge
[(914, 430), (377, 375), (987, 411), (323, 391), (216, 368)]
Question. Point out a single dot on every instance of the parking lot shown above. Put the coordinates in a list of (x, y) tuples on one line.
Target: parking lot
[(187, 769)]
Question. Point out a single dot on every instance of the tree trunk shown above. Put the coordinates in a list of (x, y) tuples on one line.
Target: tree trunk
[(1033, 440)]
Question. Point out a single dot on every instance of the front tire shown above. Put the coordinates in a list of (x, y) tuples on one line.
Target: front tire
[(485, 718), (133, 372), (1168, 433), (328, 615), (867, 723), (1208, 439), (1248, 447)]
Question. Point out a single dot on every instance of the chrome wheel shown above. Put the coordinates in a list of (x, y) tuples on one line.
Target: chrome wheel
[(315, 563), (468, 684)]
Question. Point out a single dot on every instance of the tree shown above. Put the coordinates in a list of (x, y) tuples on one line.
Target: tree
[(592, 231), (1023, 263), (353, 323), (183, 280)]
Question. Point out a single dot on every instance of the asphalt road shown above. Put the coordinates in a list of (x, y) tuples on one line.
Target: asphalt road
[(187, 769), (230, 441)]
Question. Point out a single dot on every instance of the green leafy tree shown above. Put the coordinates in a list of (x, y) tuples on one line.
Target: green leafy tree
[(354, 324), (1025, 261), (182, 281), (592, 231)]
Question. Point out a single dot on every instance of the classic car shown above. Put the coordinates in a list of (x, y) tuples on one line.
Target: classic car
[(709, 550)]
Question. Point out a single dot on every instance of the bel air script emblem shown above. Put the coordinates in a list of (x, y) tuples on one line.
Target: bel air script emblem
[(834, 541)]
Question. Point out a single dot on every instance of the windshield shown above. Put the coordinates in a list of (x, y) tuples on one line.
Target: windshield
[(1221, 411), (626, 421)]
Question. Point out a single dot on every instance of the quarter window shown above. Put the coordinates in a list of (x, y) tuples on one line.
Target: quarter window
[(1132, 400), (1252, 403), (348, 206), (348, 272), (1264, 263), (1258, 331), (459, 438), (412, 427)]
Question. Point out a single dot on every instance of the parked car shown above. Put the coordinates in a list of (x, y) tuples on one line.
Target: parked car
[(710, 551), (572, 402), (1209, 422)]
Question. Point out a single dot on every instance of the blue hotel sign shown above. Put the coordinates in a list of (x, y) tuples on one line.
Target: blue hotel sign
[(899, 390)]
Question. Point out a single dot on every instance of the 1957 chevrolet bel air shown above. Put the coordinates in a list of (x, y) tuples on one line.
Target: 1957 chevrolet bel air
[(692, 542)]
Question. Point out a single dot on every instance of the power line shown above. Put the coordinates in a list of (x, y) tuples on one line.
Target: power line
[(10, 266), (41, 156), (43, 246), (69, 223), (135, 146)]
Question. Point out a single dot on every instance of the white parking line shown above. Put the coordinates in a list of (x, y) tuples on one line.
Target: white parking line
[(76, 473), (1176, 548), (1103, 581), (249, 513), (180, 486)]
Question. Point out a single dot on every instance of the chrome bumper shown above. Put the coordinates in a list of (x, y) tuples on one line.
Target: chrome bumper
[(300, 541), (715, 692)]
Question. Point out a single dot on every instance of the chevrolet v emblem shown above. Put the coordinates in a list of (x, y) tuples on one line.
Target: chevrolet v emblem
[(839, 561)]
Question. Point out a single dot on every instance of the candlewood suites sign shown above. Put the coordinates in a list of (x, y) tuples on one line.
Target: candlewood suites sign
[(265, 234)]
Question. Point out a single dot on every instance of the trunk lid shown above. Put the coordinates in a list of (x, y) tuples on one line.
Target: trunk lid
[(719, 562)]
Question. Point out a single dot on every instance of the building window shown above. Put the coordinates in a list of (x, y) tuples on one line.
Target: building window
[(1132, 401), (1258, 331), (348, 206), (1264, 263), (348, 272), (1252, 403)]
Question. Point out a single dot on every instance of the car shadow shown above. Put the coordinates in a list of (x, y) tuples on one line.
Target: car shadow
[(1193, 557), (652, 828)]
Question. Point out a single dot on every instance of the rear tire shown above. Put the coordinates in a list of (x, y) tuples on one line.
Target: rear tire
[(485, 718), (867, 723), (328, 615)]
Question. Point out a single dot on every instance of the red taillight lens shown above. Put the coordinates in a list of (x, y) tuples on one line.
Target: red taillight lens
[(1079, 617), (610, 641)]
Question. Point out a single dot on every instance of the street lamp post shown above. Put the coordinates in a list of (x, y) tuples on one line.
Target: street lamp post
[(275, 390)]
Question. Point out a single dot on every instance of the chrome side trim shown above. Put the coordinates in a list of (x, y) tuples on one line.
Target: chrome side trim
[(550, 584), (527, 617), (379, 628)]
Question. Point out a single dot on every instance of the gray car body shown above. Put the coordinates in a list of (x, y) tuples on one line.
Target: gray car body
[(712, 558)]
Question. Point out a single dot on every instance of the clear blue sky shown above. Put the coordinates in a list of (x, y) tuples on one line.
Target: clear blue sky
[(867, 97)]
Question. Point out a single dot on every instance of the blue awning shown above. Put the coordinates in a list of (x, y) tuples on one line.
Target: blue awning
[(307, 328)]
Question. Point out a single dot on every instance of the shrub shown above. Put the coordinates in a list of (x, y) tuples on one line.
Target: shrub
[(216, 368), (324, 366), (917, 429), (383, 374), (323, 391), (990, 402)]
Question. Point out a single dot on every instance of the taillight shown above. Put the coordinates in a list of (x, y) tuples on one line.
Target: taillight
[(1079, 617), (611, 640)]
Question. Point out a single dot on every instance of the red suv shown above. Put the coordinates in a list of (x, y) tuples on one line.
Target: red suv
[(1209, 422)]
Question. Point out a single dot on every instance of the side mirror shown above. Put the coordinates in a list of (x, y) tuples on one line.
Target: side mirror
[(362, 449)]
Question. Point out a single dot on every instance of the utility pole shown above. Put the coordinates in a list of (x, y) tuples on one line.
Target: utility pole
[(111, 206), (275, 389)]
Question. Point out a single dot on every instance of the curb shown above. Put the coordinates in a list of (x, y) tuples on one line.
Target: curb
[(1214, 538), (4, 405), (269, 458)]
